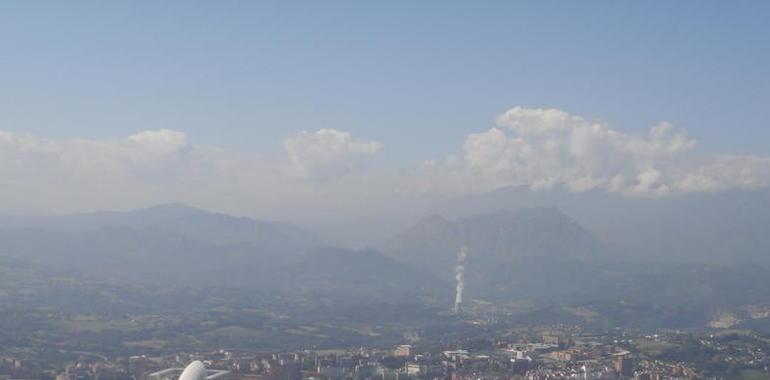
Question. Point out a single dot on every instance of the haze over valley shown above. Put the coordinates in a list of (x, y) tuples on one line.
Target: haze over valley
[(521, 248), (398, 190)]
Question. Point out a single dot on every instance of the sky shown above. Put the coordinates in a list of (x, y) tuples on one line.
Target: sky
[(252, 106)]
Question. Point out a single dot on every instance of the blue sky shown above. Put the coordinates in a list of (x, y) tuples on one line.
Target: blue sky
[(416, 76)]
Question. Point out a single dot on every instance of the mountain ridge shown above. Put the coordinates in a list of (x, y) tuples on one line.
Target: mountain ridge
[(172, 241)]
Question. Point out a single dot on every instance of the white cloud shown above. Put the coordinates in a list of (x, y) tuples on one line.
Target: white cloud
[(327, 171), (722, 172), (329, 153), (39, 174), (160, 143), (44, 174), (543, 148), (145, 156)]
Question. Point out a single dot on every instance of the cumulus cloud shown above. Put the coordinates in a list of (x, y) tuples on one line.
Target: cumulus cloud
[(329, 153), (329, 170), (143, 155), (41, 174), (542, 148)]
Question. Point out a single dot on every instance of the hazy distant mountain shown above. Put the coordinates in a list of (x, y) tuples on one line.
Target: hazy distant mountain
[(505, 249), (711, 227), (542, 255), (178, 244), (503, 236), (536, 254), (168, 243), (174, 219)]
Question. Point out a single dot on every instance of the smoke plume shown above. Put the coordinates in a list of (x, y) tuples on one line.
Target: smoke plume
[(460, 278)]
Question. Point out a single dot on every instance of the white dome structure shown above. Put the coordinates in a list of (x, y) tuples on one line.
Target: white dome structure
[(194, 371)]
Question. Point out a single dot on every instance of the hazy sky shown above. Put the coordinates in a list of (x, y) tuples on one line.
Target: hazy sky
[(266, 103)]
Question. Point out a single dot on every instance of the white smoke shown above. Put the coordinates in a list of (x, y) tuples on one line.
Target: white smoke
[(460, 278)]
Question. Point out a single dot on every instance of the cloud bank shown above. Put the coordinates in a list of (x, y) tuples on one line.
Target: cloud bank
[(545, 148), (329, 153), (331, 170)]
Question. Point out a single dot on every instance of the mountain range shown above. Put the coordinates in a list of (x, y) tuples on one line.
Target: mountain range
[(709, 228), (169, 243), (548, 255), (182, 245)]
